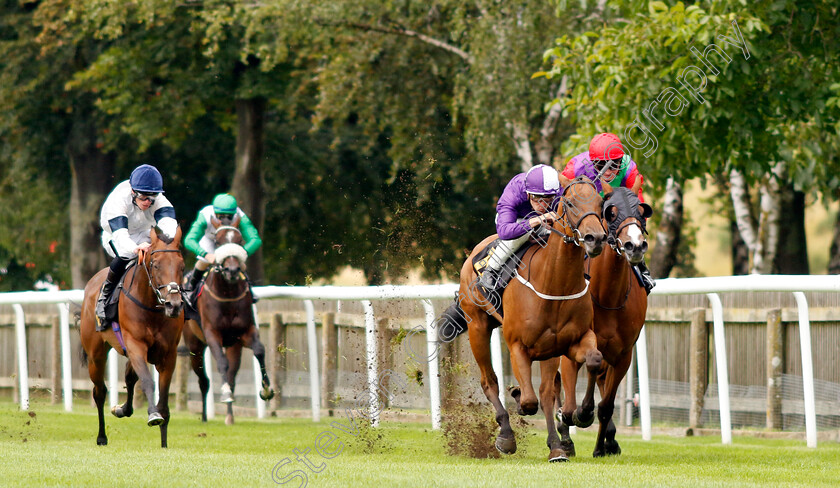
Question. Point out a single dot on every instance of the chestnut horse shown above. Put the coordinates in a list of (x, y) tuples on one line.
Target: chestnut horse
[(227, 320), (619, 305), (547, 312), (150, 318)]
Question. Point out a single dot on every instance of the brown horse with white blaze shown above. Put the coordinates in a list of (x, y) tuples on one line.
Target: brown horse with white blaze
[(227, 320), (619, 306), (150, 317), (547, 312)]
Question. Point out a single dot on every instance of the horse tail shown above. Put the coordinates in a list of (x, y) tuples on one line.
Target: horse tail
[(453, 322), (77, 319), (83, 355)]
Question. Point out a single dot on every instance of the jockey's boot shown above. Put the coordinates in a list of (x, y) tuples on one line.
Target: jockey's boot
[(105, 294), (191, 288), (646, 277), (489, 278)]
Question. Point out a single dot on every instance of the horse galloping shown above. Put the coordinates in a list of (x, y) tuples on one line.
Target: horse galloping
[(619, 307), (547, 312), (226, 319), (150, 319)]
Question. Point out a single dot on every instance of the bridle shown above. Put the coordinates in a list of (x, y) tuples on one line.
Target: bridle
[(576, 238), (615, 242), (171, 287)]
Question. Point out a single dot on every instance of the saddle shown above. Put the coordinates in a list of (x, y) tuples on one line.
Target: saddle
[(507, 272), (112, 306)]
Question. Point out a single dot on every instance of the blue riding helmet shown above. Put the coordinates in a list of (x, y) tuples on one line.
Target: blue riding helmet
[(147, 179)]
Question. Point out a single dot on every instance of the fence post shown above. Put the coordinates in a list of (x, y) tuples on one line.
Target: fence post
[(182, 375), (384, 335), (329, 361), (775, 367), (55, 361), (698, 366), (276, 361)]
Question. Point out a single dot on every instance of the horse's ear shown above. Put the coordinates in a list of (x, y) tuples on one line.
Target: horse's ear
[(216, 223), (157, 234), (235, 222), (646, 209), (610, 213)]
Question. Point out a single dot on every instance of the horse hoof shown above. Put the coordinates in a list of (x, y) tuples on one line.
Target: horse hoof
[(227, 399), (506, 446), (568, 448), (101, 441), (557, 456), (119, 412), (612, 448), (154, 419), (267, 395), (515, 392), (583, 420), (229, 420)]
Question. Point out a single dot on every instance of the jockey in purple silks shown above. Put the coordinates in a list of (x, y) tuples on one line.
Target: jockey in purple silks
[(524, 205)]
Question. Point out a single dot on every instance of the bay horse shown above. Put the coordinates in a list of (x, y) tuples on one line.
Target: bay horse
[(619, 307), (547, 312), (150, 317), (227, 320)]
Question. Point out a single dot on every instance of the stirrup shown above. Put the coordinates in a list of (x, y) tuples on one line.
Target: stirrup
[(489, 279)]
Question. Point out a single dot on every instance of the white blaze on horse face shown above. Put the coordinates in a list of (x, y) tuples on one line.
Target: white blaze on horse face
[(634, 232)]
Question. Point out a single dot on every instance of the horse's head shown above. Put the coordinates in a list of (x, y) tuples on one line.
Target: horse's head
[(230, 255), (165, 265), (581, 210), (626, 218)]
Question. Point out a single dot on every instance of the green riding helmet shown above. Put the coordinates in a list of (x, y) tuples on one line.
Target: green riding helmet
[(224, 203)]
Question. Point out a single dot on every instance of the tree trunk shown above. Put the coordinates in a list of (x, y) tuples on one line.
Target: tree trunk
[(834, 251), (792, 256), (522, 142), (92, 178), (764, 256), (740, 251), (664, 255), (247, 178)]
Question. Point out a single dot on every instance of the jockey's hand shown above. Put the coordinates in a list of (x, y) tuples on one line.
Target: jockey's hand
[(547, 218), (210, 257), (142, 247)]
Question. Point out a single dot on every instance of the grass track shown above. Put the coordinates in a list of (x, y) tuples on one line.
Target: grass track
[(60, 450)]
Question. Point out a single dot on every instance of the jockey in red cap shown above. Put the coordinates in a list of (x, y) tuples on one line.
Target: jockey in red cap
[(608, 166)]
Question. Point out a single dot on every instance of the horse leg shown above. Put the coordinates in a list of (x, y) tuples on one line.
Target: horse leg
[(566, 443), (252, 341), (214, 342), (127, 408), (606, 443), (165, 380), (234, 357), (586, 351), (568, 374), (528, 403), (137, 353), (479, 334), (548, 371), (96, 369)]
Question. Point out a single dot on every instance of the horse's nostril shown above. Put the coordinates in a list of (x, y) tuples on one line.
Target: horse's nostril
[(644, 246), (589, 238), (628, 247)]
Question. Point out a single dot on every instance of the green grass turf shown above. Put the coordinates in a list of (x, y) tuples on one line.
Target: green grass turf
[(55, 448)]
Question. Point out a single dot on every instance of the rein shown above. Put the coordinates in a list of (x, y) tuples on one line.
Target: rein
[(215, 269), (170, 288)]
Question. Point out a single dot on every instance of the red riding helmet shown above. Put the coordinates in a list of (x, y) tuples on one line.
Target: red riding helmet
[(604, 147)]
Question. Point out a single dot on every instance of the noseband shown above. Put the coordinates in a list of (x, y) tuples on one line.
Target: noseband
[(615, 242)]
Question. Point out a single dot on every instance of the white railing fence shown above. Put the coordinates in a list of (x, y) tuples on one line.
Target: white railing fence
[(368, 295)]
